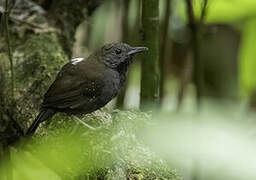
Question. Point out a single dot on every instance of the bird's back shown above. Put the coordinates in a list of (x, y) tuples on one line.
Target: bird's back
[(82, 87)]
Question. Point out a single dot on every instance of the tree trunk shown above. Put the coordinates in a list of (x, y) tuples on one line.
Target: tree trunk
[(150, 59)]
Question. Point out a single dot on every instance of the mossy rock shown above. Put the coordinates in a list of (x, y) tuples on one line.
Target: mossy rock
[(37, 62), (111, 152)]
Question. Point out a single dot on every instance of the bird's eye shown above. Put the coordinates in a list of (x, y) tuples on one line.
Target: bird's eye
[(118, 51)]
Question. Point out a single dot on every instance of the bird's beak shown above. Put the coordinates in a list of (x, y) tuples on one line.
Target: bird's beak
[(135, 50)]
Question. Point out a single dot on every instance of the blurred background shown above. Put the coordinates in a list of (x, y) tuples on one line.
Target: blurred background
[(187, 110), (225, 55)]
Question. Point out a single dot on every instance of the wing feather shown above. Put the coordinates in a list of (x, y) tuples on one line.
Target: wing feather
[(73, 89)]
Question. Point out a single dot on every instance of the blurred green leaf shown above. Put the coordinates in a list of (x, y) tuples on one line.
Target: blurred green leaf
[(248, 57), (242, 14), (224, 11)]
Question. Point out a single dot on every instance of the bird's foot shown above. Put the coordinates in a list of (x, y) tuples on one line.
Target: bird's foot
[(85, 124)]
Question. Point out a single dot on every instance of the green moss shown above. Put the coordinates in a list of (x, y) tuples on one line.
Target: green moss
[(37, 61), (39, 54), (113, 151)]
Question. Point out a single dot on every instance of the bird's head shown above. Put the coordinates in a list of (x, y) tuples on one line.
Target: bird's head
[(119, 55)]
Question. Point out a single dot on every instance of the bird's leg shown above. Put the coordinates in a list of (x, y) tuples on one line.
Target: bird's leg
[(75, 128), (83, 123)]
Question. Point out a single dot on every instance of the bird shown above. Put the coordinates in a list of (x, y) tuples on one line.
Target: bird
[(84, 85)]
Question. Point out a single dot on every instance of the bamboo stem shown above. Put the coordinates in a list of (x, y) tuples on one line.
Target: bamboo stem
[(150, 60)]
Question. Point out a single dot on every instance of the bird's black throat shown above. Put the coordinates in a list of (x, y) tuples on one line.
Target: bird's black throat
[(122, 67)]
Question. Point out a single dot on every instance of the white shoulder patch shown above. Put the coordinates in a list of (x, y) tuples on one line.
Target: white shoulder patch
[(76, 60)]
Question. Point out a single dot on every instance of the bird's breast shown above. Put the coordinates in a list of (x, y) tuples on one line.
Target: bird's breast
[(112, 84)]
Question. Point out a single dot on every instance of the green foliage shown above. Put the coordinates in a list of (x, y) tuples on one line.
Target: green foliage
[(224, 11)]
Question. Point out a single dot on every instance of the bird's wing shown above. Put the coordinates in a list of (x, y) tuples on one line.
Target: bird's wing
[(74, 86)]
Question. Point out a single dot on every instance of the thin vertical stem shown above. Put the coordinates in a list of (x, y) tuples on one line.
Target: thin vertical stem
[(163, 47), (197, 72), (125, 39), (204, 11), (6, 14)]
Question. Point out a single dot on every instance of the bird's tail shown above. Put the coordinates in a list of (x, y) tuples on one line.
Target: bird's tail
[(43, 115)]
